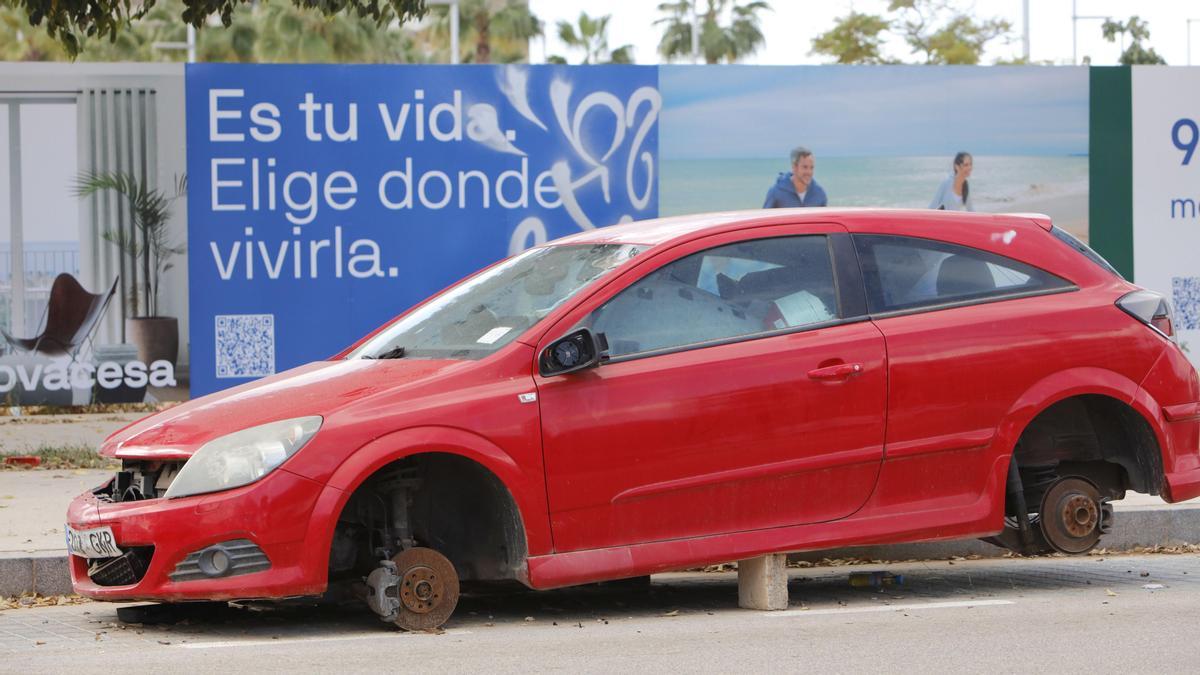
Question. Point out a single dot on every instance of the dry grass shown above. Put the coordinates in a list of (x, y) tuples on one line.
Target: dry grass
[(65, 457), (95, 408)]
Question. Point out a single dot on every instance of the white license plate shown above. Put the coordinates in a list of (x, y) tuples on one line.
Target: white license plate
[(94, 543)]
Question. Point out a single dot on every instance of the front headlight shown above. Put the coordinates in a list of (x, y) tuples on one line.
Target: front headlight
[(242, 457)]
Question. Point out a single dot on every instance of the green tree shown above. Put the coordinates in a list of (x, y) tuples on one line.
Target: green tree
[(288, 34), (70, 21), (943, 34), (271, 31), (729, 29), (492, 31), (854, 38), (21, 42), (592, 38), (1138, 31)]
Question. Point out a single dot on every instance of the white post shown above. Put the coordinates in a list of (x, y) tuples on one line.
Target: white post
[(17, 236), (191, 43), (1025, 40), (695, 31), (1074, 35), (453, 5), (1189, 40), (454, 32)]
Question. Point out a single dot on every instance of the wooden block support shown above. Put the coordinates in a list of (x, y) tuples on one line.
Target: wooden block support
[(762, 582)]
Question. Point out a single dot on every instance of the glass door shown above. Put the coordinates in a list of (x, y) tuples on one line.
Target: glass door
[(39, 229)]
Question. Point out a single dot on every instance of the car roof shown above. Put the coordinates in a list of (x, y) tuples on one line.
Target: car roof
[(681, 228)]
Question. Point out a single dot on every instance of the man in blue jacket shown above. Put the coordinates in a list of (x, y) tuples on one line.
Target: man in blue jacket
[(797, 187)]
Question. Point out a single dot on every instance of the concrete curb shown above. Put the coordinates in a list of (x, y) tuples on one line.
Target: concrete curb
[(48, 573), (1132, 528), (44, 572)]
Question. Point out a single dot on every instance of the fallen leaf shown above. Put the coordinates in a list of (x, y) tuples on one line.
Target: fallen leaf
[(1109, 593), (673, 612)]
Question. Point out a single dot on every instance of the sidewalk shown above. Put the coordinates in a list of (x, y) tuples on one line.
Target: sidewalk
[(33, 507), (30, 432)]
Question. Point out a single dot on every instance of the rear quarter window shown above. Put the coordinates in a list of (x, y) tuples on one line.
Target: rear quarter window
[(909, 273), (1084, 250)]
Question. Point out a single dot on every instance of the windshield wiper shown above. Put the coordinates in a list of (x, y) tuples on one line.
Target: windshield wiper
[(393, 353)]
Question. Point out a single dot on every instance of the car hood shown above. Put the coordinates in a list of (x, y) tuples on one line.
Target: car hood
[(319, 388)]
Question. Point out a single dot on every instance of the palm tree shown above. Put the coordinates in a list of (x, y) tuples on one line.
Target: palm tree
[(148, 241), (493, 31), (730, 42), (592, 38), (288, 34)]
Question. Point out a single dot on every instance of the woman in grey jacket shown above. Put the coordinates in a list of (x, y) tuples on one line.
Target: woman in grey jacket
[(954, 194)]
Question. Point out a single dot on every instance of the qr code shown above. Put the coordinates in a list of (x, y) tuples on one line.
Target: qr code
[(1186, 292), (245, 345)]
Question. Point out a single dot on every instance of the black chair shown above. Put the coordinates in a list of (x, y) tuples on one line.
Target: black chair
[(71, 316)]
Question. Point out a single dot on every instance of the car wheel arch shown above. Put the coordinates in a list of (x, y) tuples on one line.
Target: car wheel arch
[(424, 442), (1094, 385)]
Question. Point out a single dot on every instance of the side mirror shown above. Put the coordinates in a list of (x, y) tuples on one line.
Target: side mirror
[(579, 349)]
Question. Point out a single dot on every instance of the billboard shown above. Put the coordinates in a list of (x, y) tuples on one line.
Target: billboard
[(325, 200), (1165, 172), (881, 136)]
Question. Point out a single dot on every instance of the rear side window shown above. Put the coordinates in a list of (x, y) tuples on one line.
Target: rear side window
[(1087, 252), (904, 273)]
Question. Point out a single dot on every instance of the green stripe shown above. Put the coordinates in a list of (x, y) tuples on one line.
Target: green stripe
[(1110, 162)]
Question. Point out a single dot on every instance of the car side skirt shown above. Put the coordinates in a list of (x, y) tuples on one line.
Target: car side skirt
[(868, 527)]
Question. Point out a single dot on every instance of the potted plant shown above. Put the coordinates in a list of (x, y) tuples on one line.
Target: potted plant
[(148, 247)]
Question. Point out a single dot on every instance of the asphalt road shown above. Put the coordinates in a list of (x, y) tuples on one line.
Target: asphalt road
[(1119, 614)]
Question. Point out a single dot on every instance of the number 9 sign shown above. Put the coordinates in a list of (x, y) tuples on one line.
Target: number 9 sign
[(1185, 141)]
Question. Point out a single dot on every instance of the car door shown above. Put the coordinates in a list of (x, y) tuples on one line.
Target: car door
[(968, 331), (743, 391)]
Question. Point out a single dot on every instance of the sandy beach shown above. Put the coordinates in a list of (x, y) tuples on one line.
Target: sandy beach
[(1068, 211)]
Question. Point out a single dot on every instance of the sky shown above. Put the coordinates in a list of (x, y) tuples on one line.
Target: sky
[(791, 26), (722, 111)]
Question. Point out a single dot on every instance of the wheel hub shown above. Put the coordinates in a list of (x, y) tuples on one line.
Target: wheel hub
[(417, 589), (420, 589), (1071, 515)]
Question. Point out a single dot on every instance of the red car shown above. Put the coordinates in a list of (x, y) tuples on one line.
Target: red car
[(666, 394)]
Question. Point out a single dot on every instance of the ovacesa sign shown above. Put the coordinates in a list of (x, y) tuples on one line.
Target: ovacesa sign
[(326, 199), (60, 375)]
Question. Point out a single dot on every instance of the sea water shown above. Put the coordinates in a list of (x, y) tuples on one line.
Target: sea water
[(998, 184)]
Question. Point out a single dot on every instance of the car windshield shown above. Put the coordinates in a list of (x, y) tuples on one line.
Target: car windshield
[(489, 310)]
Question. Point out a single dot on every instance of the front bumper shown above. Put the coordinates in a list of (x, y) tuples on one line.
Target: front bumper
[(273, 513)]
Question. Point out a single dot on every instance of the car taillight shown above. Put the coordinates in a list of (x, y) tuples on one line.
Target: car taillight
[(1151, 309)]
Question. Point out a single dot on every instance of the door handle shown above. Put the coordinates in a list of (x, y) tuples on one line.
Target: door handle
[(842, 371)]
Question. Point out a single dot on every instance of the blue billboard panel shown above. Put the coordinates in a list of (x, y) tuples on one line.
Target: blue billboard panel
[(325, 200)]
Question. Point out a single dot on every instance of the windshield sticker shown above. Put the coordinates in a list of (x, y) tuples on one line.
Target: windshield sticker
[(494, 334)]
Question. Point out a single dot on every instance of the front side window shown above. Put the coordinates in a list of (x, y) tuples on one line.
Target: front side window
[(489, 310), (903, 273), (734, 290)]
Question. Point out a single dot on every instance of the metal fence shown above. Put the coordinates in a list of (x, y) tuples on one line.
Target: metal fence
[(43, 262)]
